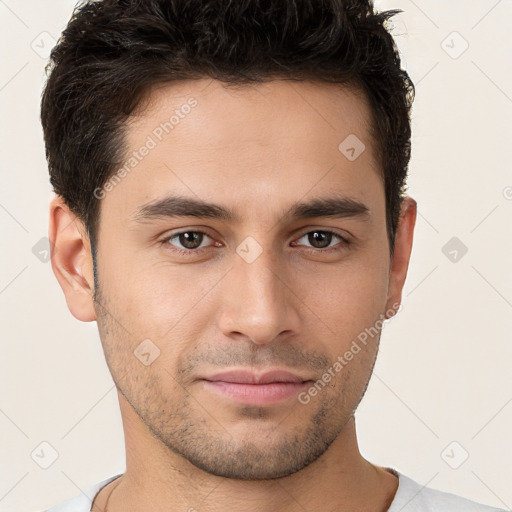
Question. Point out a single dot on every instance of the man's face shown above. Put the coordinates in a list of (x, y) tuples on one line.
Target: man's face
[(261, 291)]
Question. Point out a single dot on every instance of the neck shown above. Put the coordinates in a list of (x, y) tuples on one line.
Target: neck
[(158, 479)]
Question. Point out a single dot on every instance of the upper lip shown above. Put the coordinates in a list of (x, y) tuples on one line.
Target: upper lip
[(250, 377)]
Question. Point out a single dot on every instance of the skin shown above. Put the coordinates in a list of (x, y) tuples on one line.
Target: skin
[(256, 150)]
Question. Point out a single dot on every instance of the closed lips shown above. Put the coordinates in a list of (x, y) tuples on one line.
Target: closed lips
[(248, 377)]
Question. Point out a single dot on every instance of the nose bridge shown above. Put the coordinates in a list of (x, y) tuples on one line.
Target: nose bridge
[(257, 303)]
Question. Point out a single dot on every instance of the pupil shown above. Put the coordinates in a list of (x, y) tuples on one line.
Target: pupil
[(189, 239), (324, 238)]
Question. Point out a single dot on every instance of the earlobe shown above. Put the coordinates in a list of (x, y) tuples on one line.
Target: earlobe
[(402, 253), (71, 260)]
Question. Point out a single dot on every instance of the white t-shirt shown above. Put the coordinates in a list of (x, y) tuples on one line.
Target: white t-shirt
[(410, 497)]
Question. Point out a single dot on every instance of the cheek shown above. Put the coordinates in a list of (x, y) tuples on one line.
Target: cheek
[(160, 300), (347, 298)]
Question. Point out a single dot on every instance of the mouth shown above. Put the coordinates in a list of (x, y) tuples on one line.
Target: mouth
[(250, 388)]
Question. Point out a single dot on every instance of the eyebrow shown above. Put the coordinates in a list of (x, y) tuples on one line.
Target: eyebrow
[(179, 206)]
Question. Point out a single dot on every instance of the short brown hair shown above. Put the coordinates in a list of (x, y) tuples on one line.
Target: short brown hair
[(113, 51)]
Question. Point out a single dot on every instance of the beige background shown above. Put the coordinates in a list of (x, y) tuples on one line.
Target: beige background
[(443, 373)]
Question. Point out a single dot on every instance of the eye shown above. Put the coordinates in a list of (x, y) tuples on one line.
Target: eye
[(191, 241), (320, 239)]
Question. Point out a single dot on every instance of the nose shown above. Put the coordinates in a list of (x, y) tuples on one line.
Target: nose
[(258, 301)]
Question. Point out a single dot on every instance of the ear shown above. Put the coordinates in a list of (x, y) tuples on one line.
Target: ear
[(72, 260), (402, 252)]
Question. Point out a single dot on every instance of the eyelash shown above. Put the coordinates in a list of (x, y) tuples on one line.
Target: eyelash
[(189, 252)]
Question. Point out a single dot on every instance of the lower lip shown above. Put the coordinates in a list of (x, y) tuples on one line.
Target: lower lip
[(257, 394)]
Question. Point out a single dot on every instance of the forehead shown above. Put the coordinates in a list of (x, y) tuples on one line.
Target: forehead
[(226, 115), (248, 143)]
